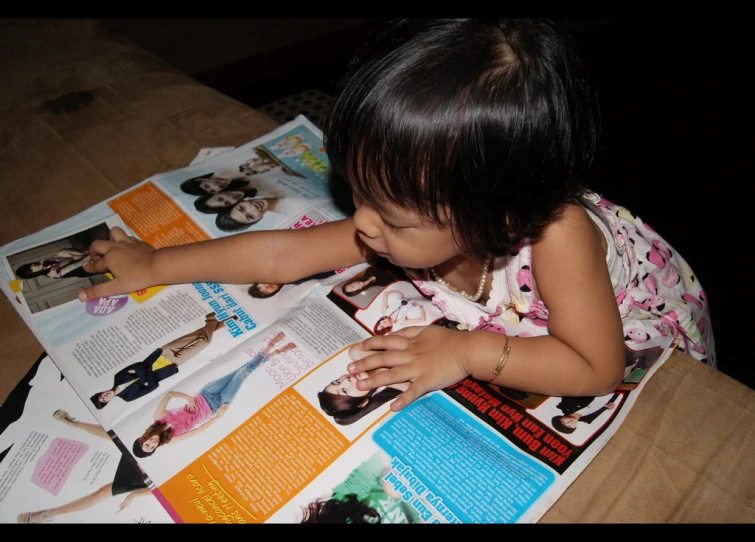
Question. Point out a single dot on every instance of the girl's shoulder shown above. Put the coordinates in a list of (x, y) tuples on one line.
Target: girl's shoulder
[(573, 232)]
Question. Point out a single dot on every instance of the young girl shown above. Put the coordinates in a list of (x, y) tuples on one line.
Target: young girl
[(466, 145)]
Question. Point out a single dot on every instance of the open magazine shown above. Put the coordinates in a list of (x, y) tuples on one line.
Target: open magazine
[(234, 400)]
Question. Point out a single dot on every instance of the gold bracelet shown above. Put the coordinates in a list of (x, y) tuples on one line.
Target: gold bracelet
[(504, 358)]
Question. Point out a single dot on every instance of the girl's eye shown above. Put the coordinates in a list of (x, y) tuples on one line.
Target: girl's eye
[(394, 229)]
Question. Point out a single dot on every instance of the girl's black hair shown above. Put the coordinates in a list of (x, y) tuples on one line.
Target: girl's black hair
[(493, 120)]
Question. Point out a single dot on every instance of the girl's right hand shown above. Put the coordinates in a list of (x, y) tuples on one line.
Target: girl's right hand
[(126, 258)]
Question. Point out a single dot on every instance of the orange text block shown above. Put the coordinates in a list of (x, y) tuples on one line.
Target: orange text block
[(155, 219), (256, 469)]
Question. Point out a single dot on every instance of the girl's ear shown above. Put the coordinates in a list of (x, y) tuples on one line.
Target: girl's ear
[(364, 403)]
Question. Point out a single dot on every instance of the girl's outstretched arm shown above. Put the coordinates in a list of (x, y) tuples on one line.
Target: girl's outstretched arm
[(270, 256)]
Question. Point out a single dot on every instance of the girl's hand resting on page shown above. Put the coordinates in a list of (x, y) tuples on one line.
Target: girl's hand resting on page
[(430, 357), (126, 258)]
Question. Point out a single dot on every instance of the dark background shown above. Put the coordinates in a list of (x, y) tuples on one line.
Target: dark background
[(676, 96)]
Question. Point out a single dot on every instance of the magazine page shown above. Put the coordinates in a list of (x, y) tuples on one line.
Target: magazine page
[(212, 407), (116, 350), (466, 454), (472, 453), (61, 466), (277, 181)]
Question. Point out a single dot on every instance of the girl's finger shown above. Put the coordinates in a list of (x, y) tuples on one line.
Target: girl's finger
[(117, 234), (386, 342), (409, 396), (99, 248), (95, 266), (396, 375), (409, 332), (386, 359)]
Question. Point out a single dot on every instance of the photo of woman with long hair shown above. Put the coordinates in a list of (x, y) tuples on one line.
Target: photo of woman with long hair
[(264, 290), (346, 404), (209, 184), (365, 285), (203, 409)]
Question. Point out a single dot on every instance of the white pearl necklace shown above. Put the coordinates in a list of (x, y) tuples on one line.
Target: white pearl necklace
[(465, 295)]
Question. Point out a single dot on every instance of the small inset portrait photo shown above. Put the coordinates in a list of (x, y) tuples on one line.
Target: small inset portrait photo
[(577, 419), (398, 306), (363, 287), (53, 273)]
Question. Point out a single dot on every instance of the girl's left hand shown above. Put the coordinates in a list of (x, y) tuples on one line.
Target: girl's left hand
[(430, 357), (191, 405)]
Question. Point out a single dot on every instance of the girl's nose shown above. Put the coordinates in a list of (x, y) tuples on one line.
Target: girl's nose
[(366, 220)]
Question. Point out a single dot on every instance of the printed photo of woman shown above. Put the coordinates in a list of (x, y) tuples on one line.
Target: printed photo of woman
[(363, 287), (201, 411), (144, 377)]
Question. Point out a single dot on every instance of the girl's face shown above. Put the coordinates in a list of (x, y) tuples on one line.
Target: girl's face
[(345, 385), (213, 185), (249, 211), (37, 267), (402, 236), (149, 445), (106, 396), (225, 199)]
